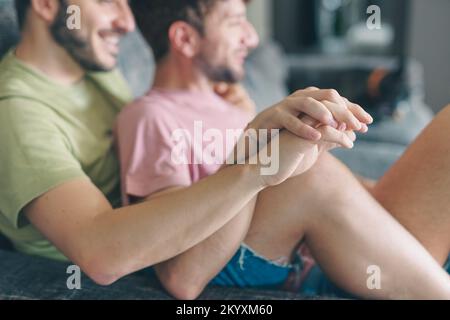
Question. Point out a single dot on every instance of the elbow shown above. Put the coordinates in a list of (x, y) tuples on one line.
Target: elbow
[(101, 278), (178, 286), (100, 272)]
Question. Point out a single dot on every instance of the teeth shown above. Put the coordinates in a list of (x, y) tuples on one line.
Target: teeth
[(112, 41)]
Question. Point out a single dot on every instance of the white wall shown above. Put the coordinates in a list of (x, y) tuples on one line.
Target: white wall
[(430, 44)]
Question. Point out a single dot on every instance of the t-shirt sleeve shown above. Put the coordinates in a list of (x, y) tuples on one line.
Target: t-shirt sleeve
[(35, 156), (150, 156)]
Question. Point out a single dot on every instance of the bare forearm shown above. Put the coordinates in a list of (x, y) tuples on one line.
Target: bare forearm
[(139, 236), (308, 150), (194, 269)]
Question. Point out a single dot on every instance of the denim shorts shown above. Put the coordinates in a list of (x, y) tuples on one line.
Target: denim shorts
[(248, 269)]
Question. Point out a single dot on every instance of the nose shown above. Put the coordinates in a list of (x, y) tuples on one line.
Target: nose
[(251, 36), (125, 19)]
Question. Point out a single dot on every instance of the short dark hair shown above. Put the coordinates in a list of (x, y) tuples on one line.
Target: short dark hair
[(154, 18), (22, 7)]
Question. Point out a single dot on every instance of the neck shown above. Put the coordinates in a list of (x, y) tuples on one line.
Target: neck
[(41, 52), (176, 75)]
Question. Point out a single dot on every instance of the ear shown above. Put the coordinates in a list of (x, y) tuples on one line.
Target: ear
[(46, 9), (184, 39)]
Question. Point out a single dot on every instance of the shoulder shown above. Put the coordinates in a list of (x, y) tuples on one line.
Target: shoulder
[(15, 79), (114, 84), (19, 109), (150, 109), (23, 120)]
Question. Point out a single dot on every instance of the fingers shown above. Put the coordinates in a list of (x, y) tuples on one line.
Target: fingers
[(311, 107), (236, 95), (334, 136), (301, 129), (326, 107), (364, 128), (359, 112), (312, 89), (310, 121), (221, 88), (344, 111), (343, 115), (351, 135)]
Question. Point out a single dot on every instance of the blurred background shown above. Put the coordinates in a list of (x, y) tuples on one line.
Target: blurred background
[(400, 72), (333, 34)]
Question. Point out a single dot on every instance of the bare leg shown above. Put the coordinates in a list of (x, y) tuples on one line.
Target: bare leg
[(347, 231), (416, 191)]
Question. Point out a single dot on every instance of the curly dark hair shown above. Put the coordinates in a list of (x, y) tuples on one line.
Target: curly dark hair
[(154, 18)]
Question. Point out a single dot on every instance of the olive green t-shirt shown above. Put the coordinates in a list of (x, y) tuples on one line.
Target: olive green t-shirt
[(51, 134)]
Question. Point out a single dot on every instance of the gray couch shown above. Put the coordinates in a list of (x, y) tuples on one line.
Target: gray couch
[(25, 277)]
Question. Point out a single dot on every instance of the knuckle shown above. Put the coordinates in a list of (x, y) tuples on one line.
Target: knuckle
[(309, 101), (326, 130), (278, 112), (348, 114), (333, 95)]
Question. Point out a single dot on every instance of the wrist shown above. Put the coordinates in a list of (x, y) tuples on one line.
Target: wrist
[(252, 176), (255, 123)]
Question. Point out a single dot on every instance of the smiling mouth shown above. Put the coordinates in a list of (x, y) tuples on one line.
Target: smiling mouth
[(111, 42)]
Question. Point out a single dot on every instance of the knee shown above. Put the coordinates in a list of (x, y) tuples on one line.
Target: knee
[(444, 114), (447, 108), (329, 176)]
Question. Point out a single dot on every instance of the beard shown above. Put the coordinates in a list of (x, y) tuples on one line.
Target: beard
[(217, 73), (74, 43)]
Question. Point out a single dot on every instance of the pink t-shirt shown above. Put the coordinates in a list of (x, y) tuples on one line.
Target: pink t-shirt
[(174, 138)]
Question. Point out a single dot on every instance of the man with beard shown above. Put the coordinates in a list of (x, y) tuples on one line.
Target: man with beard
[(60, 177), (59, 96), (200, 47)]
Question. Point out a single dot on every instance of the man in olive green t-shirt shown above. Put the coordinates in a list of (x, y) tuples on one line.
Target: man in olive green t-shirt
[(58, 99), (51, 133)]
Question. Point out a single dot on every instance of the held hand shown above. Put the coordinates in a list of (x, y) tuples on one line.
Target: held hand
[(236, 95), (325, 106), (296, 155), (332, 138)]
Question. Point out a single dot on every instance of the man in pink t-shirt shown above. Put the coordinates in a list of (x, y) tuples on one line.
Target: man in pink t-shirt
[(176, 138), (152, 122)]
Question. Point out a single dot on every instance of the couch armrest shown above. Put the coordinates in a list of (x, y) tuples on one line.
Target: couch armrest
[(26, 277)]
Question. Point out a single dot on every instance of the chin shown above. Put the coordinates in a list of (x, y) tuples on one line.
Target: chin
[(239, 75), (107, 62)]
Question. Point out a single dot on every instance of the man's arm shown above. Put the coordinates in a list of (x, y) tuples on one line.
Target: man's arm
[(108, 244), (186, 275)]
